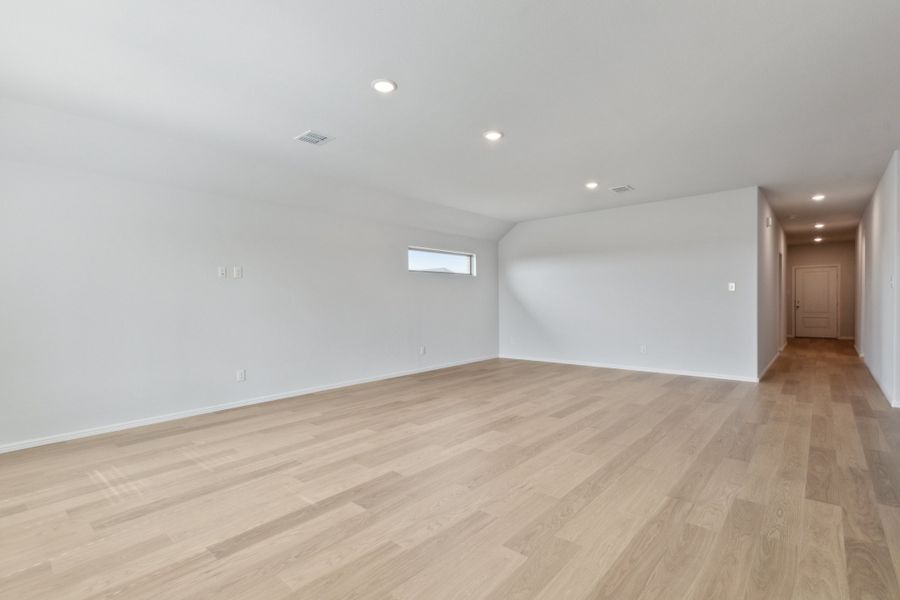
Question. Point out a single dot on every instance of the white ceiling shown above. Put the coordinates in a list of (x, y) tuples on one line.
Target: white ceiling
[(674, 98)]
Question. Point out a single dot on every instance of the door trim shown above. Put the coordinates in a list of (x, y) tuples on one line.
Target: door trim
[(794, 296)]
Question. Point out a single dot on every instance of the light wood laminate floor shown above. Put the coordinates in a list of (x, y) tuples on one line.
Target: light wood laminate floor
[(501, 480)]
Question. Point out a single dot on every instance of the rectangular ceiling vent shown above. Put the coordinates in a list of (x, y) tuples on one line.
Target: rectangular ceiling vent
[(621, 189), (311, 137)]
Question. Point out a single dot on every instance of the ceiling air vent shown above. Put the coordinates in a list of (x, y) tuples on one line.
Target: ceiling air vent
[(620, 189), (311, 137)]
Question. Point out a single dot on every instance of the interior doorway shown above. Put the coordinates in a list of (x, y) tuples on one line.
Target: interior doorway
[(816, 301), (782, 332)]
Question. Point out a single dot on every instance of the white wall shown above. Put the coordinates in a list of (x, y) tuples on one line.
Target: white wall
[(593, 288), (771, 249), (113, 312), (828, 253), (861, 316), (878, 247)]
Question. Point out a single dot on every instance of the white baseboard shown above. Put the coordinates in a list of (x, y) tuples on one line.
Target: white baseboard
[(661, 371), (82, 433), (895, 402), (769, 366)]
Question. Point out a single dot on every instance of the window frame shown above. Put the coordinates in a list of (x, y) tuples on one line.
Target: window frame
[(472, 261)]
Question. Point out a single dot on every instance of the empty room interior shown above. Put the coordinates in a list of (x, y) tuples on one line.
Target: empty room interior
[(497, 299)]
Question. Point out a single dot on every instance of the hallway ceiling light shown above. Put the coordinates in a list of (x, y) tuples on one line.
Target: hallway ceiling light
[(819, 225), (818, 197), (591, 185), (817, 240), (384, 86), (492, 135)]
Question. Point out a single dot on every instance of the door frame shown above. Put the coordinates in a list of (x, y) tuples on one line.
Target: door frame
[(782, 330), (794, 296)]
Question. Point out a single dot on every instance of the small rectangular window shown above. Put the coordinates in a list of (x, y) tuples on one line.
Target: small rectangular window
[(440, 261)]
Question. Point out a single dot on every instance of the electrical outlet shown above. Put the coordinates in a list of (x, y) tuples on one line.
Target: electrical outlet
[(240, 375), (237, 272), (422, 350), (223, 272), (643, 348)]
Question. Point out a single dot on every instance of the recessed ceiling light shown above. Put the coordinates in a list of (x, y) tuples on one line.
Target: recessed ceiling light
[(384, 86), (591, 185), (492, 135), (819, 225), (818, 197), (817, 240)]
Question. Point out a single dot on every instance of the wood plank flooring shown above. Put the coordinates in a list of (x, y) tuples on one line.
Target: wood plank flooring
[(498, 480)]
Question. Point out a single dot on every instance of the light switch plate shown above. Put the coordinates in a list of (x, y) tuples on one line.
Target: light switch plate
[(731, 286), (237, 272), (223, 272)]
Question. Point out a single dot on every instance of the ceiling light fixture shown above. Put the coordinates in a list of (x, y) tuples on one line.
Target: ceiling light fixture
[(591, 185), (492, 135), (817, 240), (819, 225), (384, 86), (818, 197)]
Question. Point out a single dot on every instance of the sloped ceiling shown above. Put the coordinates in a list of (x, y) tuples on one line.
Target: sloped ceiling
[(674, 98)]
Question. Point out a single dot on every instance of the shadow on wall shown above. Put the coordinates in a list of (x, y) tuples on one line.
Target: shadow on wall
[(643, 286)]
